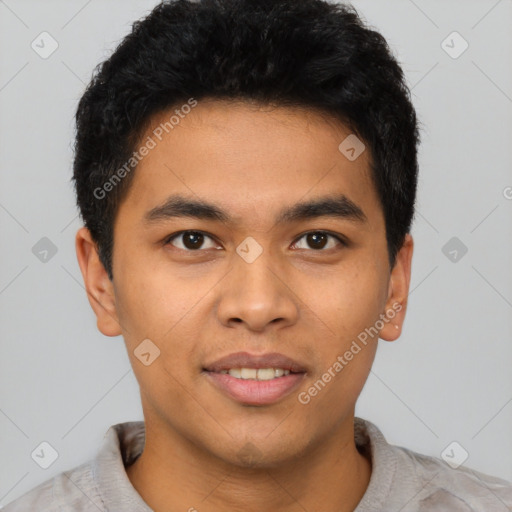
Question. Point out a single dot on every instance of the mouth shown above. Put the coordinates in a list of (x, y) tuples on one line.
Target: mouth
[(255, 379)]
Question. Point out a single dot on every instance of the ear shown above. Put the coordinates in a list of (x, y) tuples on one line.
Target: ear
[(100, 289), (398, 292)]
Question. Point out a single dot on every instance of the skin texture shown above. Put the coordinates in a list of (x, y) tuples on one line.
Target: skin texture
[(204, 449)]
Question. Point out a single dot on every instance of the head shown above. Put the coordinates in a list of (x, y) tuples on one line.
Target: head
[(280, 137)]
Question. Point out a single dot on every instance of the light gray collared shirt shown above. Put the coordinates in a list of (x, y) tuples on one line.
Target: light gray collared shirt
[(401, 480)]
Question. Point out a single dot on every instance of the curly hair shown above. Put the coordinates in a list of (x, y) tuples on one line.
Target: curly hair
[(308, 53)]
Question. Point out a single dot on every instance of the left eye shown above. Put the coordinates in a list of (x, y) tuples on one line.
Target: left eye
[(318, 240)]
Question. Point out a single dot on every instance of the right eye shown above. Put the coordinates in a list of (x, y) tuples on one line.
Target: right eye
[(190, 241)]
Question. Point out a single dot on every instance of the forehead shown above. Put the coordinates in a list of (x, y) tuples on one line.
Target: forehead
[(248, 157)]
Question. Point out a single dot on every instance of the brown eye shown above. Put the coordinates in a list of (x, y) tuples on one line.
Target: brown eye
[(318, 240), (189, 240)]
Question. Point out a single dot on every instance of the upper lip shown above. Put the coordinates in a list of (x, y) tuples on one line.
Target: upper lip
[(246, 360)]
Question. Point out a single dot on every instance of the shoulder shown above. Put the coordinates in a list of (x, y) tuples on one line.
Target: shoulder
[(94, 486), (73, 489), (439, 485), (403, 479)]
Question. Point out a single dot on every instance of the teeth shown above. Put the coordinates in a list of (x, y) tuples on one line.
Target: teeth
[(256, 374), (249, 373), (266, 374)]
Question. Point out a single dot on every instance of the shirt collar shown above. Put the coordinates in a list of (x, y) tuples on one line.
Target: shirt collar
[(122, 444)]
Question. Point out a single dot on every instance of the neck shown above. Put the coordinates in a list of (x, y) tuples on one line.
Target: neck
[(171, 473)]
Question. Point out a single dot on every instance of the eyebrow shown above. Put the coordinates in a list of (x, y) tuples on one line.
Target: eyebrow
[(177, 206)]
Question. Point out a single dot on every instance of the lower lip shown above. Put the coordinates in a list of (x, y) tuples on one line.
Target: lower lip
[(256, 392)]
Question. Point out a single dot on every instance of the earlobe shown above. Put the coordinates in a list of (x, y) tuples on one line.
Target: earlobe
[(399, 281), (99, 287)]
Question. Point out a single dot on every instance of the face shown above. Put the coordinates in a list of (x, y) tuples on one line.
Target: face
[(221, 265)]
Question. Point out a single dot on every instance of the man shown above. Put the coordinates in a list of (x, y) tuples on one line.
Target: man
[(246, 172)]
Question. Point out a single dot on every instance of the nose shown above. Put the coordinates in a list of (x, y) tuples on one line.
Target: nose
[(257, 295)]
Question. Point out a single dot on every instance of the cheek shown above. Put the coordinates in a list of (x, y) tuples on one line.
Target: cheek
[(159, 305), (151, 296), (349, 304), (350, 307), (352, 300), (145, 305), (156, 306)]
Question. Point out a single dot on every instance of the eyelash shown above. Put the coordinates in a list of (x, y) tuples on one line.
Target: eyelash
[(170, 238)]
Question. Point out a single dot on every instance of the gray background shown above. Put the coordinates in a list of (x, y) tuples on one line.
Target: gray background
[(446, 379)]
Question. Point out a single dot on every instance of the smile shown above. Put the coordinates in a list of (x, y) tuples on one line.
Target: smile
[(256, 373)]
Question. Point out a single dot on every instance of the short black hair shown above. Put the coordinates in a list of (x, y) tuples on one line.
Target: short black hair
[(307, 53)]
